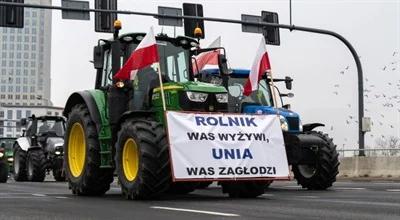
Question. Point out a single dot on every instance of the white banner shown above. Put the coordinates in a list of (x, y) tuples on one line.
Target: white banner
[(226, 146)]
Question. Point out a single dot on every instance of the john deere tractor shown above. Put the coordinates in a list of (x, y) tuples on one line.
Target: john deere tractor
[(119, 125), (311, 153)]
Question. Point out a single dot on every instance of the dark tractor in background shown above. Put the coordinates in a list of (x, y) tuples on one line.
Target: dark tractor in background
[(40, 149), (312, 154), (3, 165)]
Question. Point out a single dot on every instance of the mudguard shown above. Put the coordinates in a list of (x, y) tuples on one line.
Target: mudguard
[(23, 142), (301, 147), (84, 97), (311, 126)]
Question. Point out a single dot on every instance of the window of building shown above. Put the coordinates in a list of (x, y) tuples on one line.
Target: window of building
[(17, 97), (9, 114), (25, 89), (10, 89), (1, 114), (28, 113), (24, 97), (26, 39), (17, 89), (32, 90)]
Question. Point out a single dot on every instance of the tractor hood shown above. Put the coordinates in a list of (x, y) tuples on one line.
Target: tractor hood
[(292, 118), (193, 86), (259, 109)]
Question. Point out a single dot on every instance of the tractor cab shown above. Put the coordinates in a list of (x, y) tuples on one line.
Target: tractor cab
[(258, 102), (44, 130), (142, 92)]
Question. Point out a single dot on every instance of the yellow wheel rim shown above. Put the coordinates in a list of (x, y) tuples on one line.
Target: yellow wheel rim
[(130, 159), (76, 149)]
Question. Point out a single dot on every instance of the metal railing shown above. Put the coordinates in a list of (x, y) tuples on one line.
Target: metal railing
[(370, 152)]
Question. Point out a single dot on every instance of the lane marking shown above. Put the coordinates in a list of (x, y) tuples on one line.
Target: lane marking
[(363, 203), (308, 197), (267, 194), (348, 188), (38, 195), (61, 197), (393, 190), (195, 211)]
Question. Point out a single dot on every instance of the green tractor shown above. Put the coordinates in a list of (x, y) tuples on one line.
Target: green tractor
[(7, 143), (119, 126)]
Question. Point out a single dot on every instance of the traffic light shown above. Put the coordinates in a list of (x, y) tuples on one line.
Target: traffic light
[(12, 16), (271, 34), (104, 22), (191, 24)]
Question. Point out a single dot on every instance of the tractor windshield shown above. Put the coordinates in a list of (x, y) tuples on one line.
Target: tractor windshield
[(51, 126), (261, 96), (7, 143), (174, 61)]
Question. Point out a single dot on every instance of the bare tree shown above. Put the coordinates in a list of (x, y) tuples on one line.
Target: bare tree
[(391, 142)]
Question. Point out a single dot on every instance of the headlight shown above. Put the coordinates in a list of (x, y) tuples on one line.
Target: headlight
[(284, 123), (197, 96), (222, 98), (10, 159), (57, 152), (1, 154)]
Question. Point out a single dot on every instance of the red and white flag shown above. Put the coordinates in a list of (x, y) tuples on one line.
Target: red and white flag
[(144, 55), (260, 66), (207, 60)]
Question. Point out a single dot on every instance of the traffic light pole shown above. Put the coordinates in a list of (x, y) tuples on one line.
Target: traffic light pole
[(263, 24)]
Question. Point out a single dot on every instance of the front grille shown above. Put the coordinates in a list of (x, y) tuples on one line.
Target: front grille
[(210, 105), (293, 123)]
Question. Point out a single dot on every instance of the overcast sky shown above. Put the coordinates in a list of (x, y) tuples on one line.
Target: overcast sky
[(325, 91)]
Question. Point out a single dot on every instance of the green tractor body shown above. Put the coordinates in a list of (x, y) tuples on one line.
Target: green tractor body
[(120, 124)]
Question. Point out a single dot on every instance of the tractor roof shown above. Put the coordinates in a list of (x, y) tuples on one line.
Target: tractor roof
[(48, 117), (235, 73), (183, 41)]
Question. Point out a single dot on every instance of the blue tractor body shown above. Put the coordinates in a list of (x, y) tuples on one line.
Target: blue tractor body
[(291, 117)]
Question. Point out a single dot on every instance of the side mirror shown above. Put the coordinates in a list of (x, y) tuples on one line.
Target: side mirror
[(23, 122), (288, 82), (289, 95), (98, 56)]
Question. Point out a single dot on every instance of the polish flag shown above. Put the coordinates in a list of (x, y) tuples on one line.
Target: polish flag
[(207, 60), (144, 55), (260, 66)]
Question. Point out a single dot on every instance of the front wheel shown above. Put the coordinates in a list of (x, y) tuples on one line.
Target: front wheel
[(142, 159), (3, 171), (244, 189), (82, 155), (36, 162), (19, 164), (322, 174)]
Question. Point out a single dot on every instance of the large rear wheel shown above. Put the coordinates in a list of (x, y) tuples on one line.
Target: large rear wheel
[(142, 159), (19, 164), (82, 155), (36, 162), (322, 174)]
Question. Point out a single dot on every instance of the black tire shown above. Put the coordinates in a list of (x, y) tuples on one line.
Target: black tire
[(36, 165), (182, 188), (323, 174), (59, 175), (93, 180), (58, 170), (152, 175), (244, 189), (3, 171), (204, 184), (19, 164)]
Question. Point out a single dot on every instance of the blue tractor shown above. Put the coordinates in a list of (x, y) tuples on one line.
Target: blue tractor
[(311, 153)]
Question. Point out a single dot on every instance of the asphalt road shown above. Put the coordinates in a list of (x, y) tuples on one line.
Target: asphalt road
[(283, 200)]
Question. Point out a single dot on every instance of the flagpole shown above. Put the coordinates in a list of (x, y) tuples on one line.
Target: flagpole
[(161, 86), (273, 88)]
